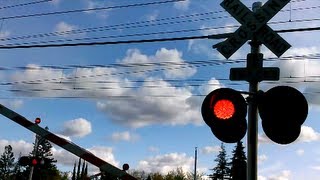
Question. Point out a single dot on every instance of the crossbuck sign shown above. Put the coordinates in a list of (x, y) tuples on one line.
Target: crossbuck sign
[(253, 24)]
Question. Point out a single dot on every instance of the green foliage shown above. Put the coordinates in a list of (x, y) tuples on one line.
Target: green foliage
[(177, 174), (7, 164), (239, 163), (190, 176), (80, 175), (222, 169), (46, 168)]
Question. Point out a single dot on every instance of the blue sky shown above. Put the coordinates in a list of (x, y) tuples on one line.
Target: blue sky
[(147, 116)]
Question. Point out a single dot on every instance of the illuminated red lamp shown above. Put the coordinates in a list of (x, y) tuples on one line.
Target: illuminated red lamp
[(37, 121), (34, 162), (224, 110)]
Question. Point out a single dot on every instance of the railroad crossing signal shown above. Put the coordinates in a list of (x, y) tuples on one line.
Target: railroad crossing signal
[(283, 110), (224, 110), (253, 24), (254, 70)]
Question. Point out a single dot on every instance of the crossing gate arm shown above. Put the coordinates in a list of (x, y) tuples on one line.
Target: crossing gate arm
[(65, 144)]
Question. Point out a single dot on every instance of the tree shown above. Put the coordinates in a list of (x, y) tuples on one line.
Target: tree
[(177, 174), (46, 168), (7, 164), (80, 175), (190, 175), (222, 169), (239, 163)]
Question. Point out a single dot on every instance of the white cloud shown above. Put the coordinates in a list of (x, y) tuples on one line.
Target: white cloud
[(284, 175), (210, 149), (153, 149), (261, 177), (263, 139), (166, 163), (182, 5), (91, 4), (308, 134), (276, 175), (18, 147), (46, 82), (304, 68), (262, 158), (68, 159), (124, 136), (175, 57), (5, 34), (63, 157), (14, 104), (55, 2), (174, 66), (300, 152), (134, 56), (62, 27), (76, 128), (211, 85), (317, 168), (153, 16), (146, 109)]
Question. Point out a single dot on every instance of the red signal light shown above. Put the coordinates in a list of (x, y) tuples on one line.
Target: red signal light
[(224, 109), (37, 120), (34, 162)]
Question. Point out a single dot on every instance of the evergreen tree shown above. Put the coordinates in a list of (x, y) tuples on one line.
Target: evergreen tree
[(7, 163), (46, 168), (222, 169), (78, 172), (80, 175), (239, 163), (74, 171)]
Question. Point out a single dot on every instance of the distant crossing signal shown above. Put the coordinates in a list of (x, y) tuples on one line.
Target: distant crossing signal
[(30, 161), (224, 110)]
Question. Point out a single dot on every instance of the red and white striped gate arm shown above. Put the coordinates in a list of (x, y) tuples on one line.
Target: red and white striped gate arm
[(65, 144)]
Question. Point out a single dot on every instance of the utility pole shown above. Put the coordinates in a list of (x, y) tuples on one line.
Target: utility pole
[(35, 149), (195, 163)]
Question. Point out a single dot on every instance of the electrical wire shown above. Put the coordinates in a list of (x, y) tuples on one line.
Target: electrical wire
[(140, 24), (153, 33), (215, 36), (125, 26), (90, 9), (24, 4), (164, 65)]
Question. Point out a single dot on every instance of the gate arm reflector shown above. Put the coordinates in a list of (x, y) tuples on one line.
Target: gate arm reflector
[(65, 144)]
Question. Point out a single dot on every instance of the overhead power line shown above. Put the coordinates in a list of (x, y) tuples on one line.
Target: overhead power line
[(164, 65), (89, 9), (24, 4), (141, 24), (151, 33), (215, 36)]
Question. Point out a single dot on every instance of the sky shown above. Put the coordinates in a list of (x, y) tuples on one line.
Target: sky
[(139, 103)]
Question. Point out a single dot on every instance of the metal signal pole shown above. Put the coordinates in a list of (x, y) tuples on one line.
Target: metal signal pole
[(253, 64)]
